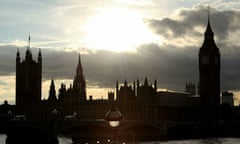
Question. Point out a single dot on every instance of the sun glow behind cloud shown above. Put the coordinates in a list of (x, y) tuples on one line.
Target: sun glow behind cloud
[(118, 30)]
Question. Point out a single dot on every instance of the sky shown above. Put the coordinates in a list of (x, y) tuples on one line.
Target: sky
[(118, 40)]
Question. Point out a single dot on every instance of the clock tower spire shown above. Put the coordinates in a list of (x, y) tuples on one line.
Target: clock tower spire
[(209, 76)]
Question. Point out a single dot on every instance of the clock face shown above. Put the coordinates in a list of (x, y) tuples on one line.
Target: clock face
[(205, 60)]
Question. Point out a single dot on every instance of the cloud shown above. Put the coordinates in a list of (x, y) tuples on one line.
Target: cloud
[(223, 22), (105, 67), (171, 63), (7, 91)]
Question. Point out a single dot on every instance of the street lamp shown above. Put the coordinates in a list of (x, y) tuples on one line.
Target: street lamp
[(113, 117), (9, 114), (55, 113)]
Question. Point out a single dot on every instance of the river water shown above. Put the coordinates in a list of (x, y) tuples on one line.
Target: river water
[(64, 140)]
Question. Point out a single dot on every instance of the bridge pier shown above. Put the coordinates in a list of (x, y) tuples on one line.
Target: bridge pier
[(30, 135), (13, 139)]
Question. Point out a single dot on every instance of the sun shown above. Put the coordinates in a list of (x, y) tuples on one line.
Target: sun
[(117, 30)]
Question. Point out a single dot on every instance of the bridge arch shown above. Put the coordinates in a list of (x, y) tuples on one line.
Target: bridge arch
[(140, 131), (30, 134), (85, 130)]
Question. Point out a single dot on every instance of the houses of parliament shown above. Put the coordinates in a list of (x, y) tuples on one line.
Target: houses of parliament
[(136, 101)]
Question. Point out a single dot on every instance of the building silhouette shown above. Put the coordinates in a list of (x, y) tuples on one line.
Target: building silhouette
[(209, 76), (52, 93), (28, 79), (227, 98), (136, 101), (77, 92), (192, 88), (79, 83)]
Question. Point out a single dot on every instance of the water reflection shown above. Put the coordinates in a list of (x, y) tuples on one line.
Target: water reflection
[(67, 140), (2, 139), (64, 140), (200, 141), (212, 141)]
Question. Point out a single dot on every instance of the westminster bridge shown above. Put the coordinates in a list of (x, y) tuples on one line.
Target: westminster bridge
[(99, 129), (91, 129)]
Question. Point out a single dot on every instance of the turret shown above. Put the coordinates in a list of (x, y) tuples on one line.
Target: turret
[(28, 56), (134, 88), (125, 83), (79, 66), (146, 82), (117, 85), (18, 57), (155, 85), (79, 83), (117, 88), (138, 83), (52, 92), (28, 80), (62, 92), (39, 56)]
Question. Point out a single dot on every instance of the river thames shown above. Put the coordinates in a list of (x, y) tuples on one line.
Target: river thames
[(64, 140)]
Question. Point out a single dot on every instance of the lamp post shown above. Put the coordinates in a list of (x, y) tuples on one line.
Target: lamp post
[(54, 113), (9, 115), (113, 117)]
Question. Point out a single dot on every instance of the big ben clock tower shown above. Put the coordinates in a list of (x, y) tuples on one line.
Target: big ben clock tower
[(209, 75)]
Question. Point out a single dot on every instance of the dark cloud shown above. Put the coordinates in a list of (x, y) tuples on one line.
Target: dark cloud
[(170, 67), (223, 22), (7, 60), (230, 66)]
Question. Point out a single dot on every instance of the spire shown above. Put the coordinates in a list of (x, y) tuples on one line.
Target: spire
[(52, 91), (79, 67), (79, 78), (29, 39), (209, 33), (79, 83), (155, 85), (28, 52), (117, 85), (52, 84), (138, 83), (125, 83), (209, 28), (79, 58), (18, 56), (134, 87), (146, 81), (39, 55)]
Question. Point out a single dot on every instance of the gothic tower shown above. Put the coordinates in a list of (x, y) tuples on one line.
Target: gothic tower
[(28, 79), (79, 83), (209, 75), (52, 92)]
